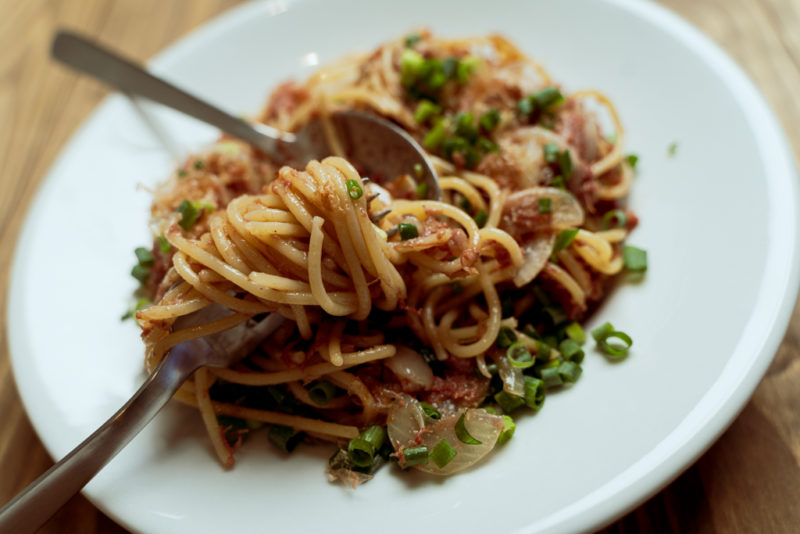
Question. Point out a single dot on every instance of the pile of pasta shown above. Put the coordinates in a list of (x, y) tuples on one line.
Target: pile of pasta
[(392, 299)]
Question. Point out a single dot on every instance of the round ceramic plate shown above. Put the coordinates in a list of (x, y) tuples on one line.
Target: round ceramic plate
[(718, 218)]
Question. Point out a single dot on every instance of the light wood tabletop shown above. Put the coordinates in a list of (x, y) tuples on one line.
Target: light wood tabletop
[(749, 481)]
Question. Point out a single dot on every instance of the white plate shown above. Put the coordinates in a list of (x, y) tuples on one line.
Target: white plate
[(718, 219)]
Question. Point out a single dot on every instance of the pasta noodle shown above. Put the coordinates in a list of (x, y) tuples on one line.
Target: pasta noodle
[(393, 299)]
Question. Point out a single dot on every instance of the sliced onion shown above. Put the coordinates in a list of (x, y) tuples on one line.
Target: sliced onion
[(535, 254), (512, 377), (566, 210), (406, 425), (410, 365)]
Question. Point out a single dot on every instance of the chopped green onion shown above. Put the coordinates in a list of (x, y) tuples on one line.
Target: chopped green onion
[(534, 392), (322, 392), (411, 62), (463, 434), (615, 217), (550, 152), (182, 173), (375, 435), (430, 411), (564, 239), (556, 313), (449, 67), (412, 39), (419, 171), (505, 338), (425, 110), (575, 333), (285, 438), (354, 189), (634, 259), (525, 106), (490, 120), (509, 426), (436, 79), (442, 454), (571, 351), (672, 149), (141, 273), (547, 97), (486, 145), (190, 212), (465, 126), (558, 181), (632, 160), (604, 333), (481, 218), (565, 163), (140, 303), (435, 137), (415, 456), (422, 190), (543, 351), (407, 231), (519, 356), (550, 376), (465, 205), (569, 372), (144, 256), (466, 67), (199, 164), (361, 452), (545, 205), (508, 402), (163, 244)]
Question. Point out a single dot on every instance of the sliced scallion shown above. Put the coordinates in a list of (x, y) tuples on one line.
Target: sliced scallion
[(407, 231), (481, 218), (415, 456), (284, 438), (430, 411), (606, 332), (361, 452), (534, 392), (519, 356), (463, 434), (571, 351), (505, 337), (634, 259), (569, 371), (564, 239), (614, 219), (322, 392), (442, 454), (509, 426), (354, 189)]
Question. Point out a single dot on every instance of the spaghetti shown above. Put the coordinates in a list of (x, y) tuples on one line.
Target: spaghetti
[(405, 315)]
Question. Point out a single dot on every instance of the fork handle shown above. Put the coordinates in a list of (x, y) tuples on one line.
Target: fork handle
[(88, 57), (32, 507)]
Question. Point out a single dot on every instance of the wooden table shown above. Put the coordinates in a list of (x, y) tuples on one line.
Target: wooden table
[(749, 481)]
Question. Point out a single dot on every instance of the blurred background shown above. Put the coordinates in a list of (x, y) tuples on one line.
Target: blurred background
[(749, 481)]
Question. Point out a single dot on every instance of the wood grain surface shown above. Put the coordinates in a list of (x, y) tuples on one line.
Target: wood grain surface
[(749, 481)]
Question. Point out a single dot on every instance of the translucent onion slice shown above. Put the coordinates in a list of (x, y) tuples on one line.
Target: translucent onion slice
[(535, 254), (410, 365), (512, 377), (407, 427), (566, 210)]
